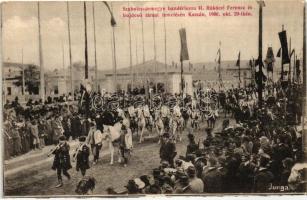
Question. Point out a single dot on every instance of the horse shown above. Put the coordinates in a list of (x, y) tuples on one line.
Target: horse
[(194, 119), (143, 122), (112, 123), (112, 135), (211, 118), (177, 124)]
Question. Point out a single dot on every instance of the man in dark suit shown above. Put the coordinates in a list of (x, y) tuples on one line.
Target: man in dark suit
[(263, 177), (212, 177), (167, 150)]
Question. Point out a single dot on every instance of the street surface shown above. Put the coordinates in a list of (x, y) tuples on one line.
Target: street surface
[(31, 174)]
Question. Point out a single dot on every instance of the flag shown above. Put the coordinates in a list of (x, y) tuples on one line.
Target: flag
[(238, 61), (278, 53), (113, 22), (184, 55), (284, 46), (270, 59)]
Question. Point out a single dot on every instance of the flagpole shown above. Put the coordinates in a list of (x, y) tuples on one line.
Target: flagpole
[(130, 53), (155, 50), (304, 87), (294, 68), (114, 57), (165, 58), (63, 66), (23, 73), (1, 58), (69, 48), (136, 56), (260, 86), (95, 53), (282, 65), (239, 71), (85, 42), (219, 66), (41, 63), (289, 75)]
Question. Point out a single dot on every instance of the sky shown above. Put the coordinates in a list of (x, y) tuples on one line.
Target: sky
[(20, 32)]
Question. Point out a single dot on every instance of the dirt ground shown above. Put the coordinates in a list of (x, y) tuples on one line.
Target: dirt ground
[(41, 180)]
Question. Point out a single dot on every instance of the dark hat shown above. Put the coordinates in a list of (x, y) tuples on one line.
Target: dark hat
[(191, 136), (62, 138), (82, 139), (156, 172)]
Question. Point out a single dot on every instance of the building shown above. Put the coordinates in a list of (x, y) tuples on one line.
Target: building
[(152, 73)]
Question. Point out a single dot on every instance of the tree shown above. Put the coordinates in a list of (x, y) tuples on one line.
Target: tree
[(32, 78)]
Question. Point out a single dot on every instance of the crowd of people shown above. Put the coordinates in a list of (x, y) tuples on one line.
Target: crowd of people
[(262, 153), (35, 125)]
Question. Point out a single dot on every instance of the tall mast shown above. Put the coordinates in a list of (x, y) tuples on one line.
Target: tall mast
[(63, 64), (219, 66), (143, 46), (289, 74), (282, 65), (136, 56), (69, 48), (304, 85), (130, 53), (41, 63), (1, 58), (260, 87), (114, 55), (23, 73), (165, 53), (95, 53), (155, 50), (85, 42)]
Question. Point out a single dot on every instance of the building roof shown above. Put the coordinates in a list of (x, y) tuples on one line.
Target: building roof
[(149, 67)]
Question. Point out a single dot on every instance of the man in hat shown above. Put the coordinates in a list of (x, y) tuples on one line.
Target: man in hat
[(167, 149), (182, 184), (125, 143), (196, 184), (61, 162), (212, 177), (192, 146), (82, 155), (94, 139), (263, 177)]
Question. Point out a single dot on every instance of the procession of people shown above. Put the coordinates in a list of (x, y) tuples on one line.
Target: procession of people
[(259, 153)]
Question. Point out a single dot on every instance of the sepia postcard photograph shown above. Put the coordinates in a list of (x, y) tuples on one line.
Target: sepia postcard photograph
[(137, 98)]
